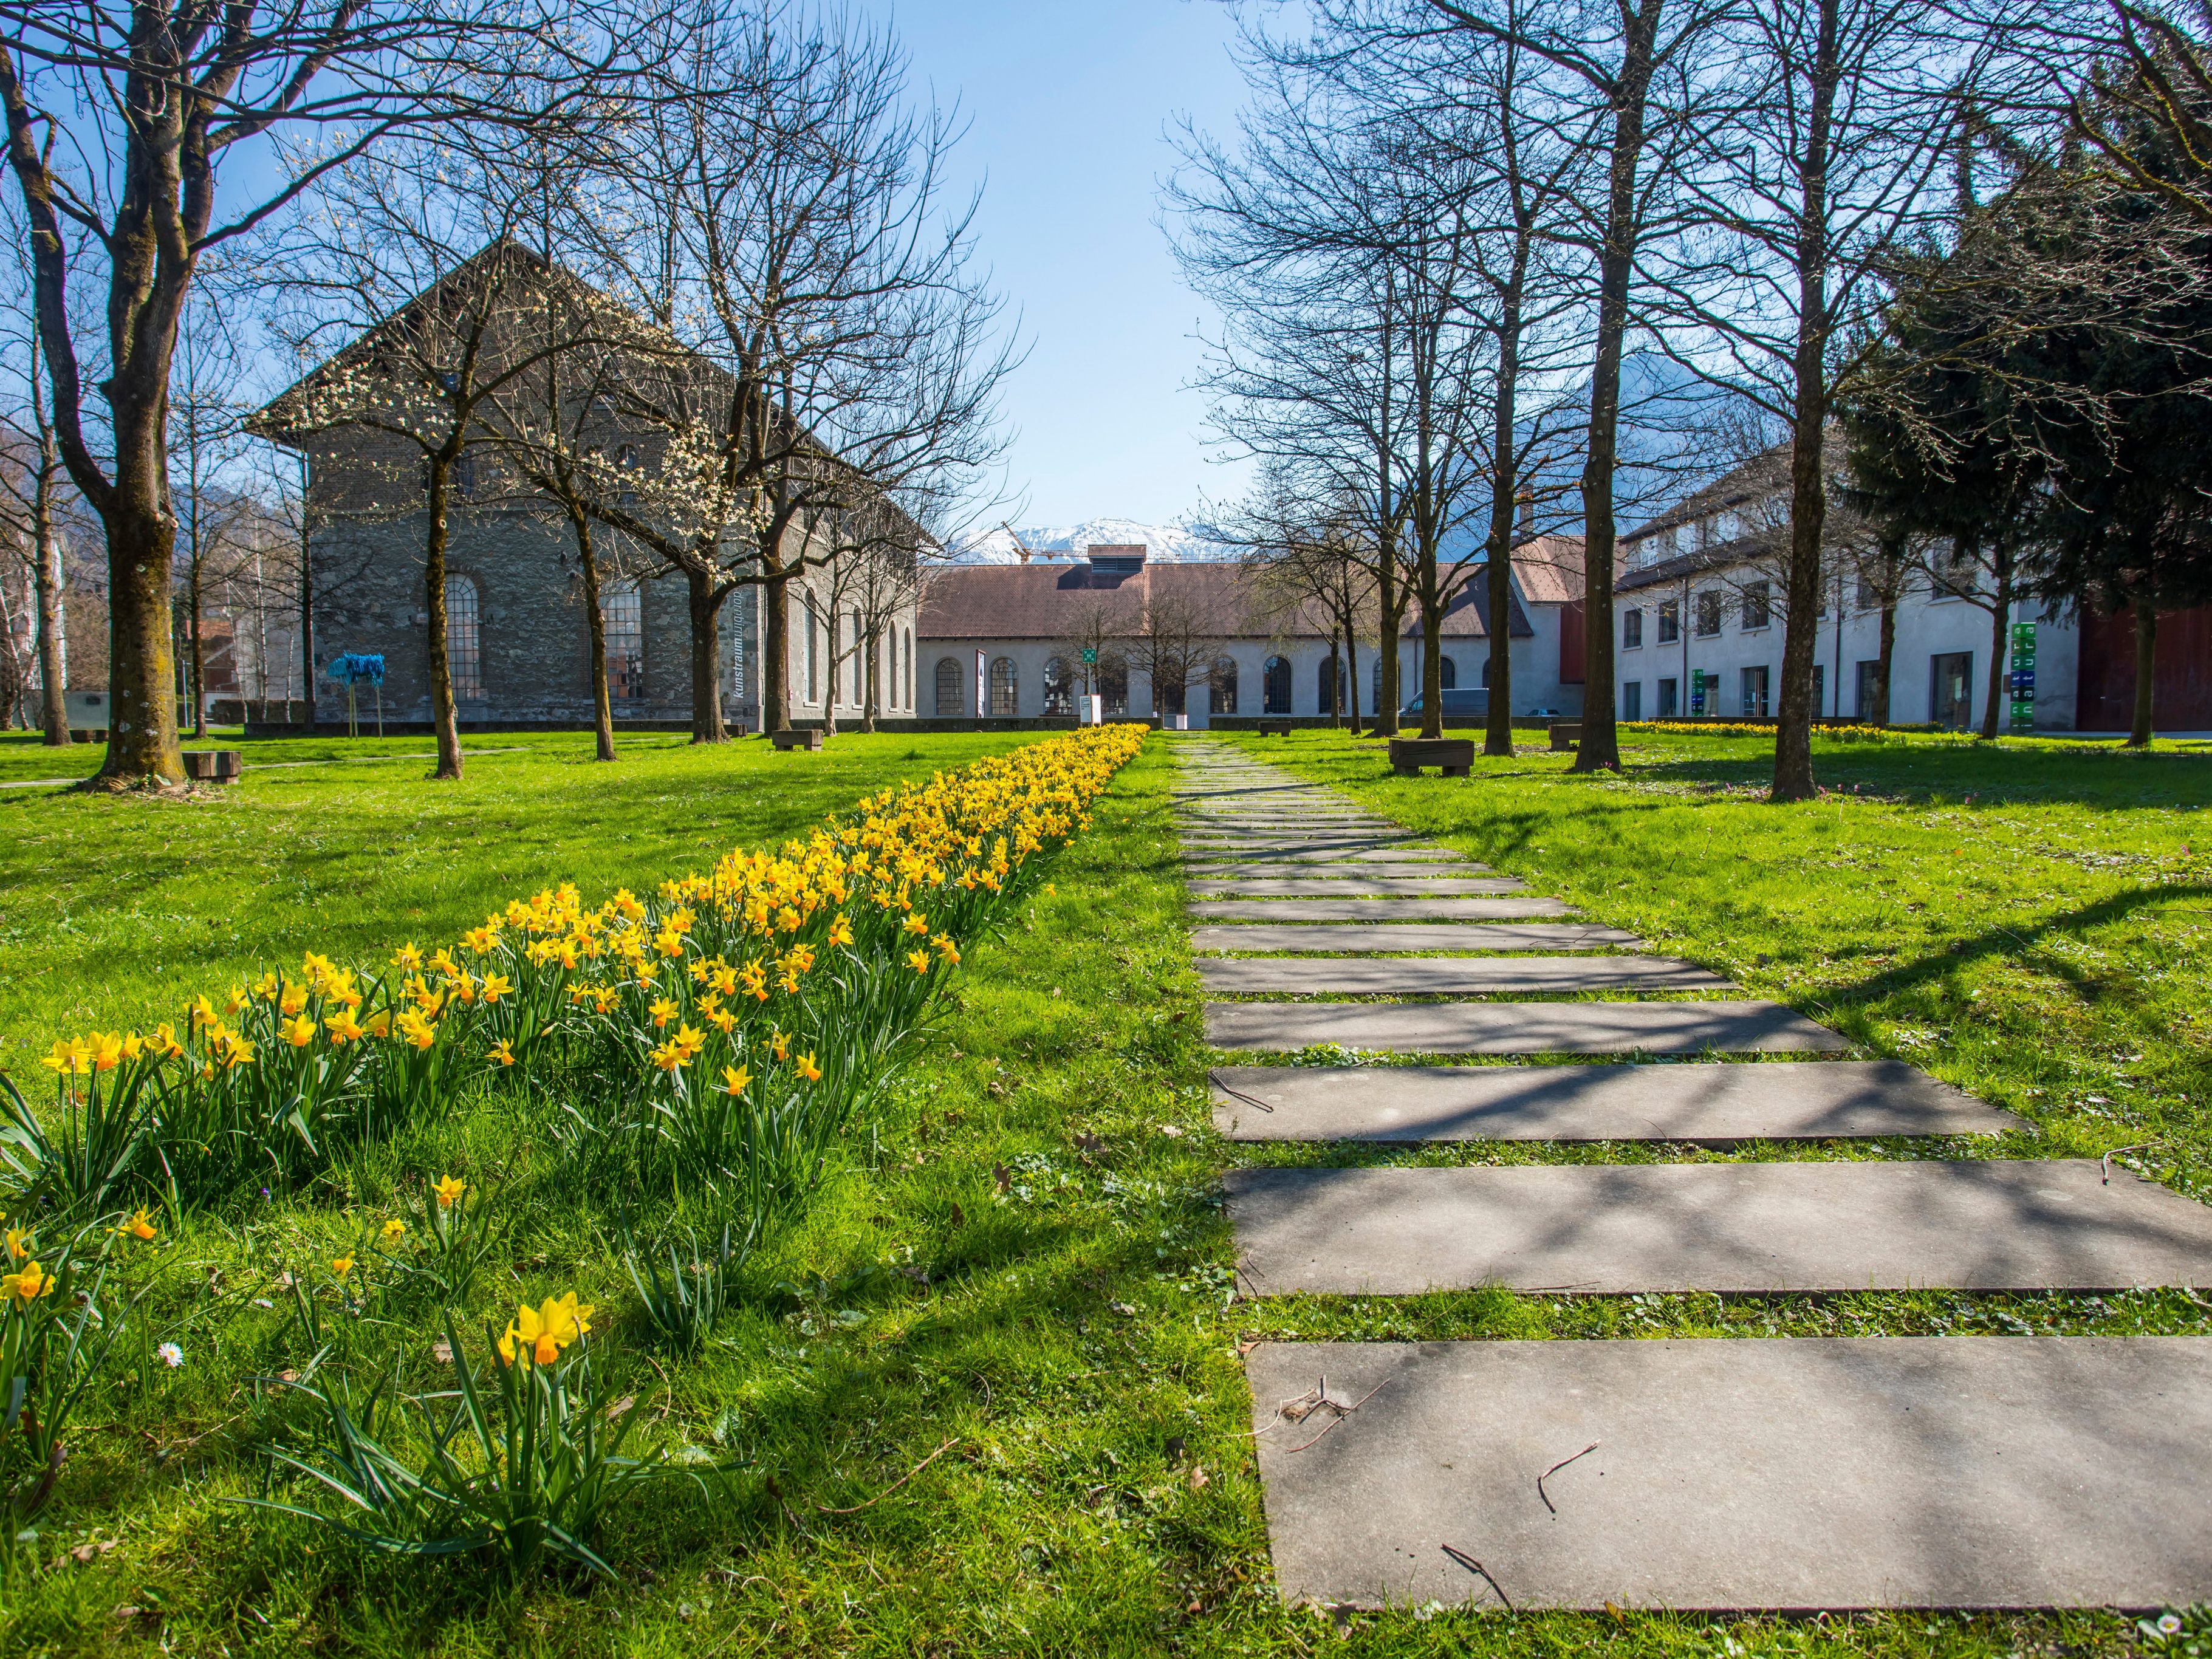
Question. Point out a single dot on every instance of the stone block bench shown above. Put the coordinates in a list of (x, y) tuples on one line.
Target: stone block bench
[(1273, 728), (808, 740), (213, 765), (1565, 734), (1450, 755)]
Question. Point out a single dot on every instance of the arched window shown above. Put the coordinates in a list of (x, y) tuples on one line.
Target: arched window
[(1375, 682), (463, 640), (1058, 687), (1112, 684), (1222, 686), (1006, 688), (1447, 672), (625, 610), (948, 688), (1485, 673), (859, 676), (813, 651), (1275, 686), (910, 670)]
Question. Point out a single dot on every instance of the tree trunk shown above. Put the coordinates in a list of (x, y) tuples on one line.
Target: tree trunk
[(603, 707), (142, 732), (444, 717), (1432, 654), (1599, 745), (1809, 488), (1351, 670), (2001, 615), (775, 654), (1884, 654), (53, 639), (1389, 606), (705, 605), (195, 598), (870, 691), (2139, 734)]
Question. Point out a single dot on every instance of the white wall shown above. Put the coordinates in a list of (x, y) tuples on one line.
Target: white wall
[(1926, 628)]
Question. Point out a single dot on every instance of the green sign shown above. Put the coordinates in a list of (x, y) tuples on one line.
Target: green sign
[(1090, 653), (2021, 681)]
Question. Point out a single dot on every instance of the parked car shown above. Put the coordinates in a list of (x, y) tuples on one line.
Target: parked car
[(1473, 703)]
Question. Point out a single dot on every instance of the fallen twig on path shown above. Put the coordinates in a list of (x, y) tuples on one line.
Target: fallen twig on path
[(894, 1485), (1554, 1469)]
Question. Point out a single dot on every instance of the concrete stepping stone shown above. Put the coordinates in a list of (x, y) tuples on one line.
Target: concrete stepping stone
[(1381, 910), (1806, 1473), (1450, 975), (1813, 1101), (1369, 856), (1352, 939), (1963, 1224), (1372, 886), (1316, 871), (1521, 1028)]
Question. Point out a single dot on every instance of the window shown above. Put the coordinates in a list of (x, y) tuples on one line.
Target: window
[(1819, 689), (813, 651), (1112, 684), (463, 475), (1869, 595), (1758, 599), (1221, 686), (1631, 629), (912, 692), (859, 640), (1275, 686), (1871, 699), (1006, 688), (624, 612), (1058, 687), (1670, 699), (1632, 700), (1484, 675), (1448, 673), (948, 688), (1754, 694), (1951, 690), (463, 640), (1709, 614), (1670, 621)]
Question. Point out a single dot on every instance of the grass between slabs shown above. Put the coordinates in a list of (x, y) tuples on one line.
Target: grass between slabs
[(986, 1399)]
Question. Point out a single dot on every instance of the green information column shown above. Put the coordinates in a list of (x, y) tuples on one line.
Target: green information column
[(2023, 677)]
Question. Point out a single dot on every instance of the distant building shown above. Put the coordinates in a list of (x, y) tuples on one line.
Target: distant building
[(518, 637), (1699, 605), (1009, 640)]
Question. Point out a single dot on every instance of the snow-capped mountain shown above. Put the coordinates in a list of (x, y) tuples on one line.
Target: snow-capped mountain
[(1068, 542)]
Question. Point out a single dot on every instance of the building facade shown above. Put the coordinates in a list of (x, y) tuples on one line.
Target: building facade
[(1010, 641)]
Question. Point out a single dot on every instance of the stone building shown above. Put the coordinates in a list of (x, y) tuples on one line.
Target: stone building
[(1008, 640), (517, 632)]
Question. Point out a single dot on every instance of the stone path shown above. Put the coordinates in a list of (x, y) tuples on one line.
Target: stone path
[(1718, 1473)]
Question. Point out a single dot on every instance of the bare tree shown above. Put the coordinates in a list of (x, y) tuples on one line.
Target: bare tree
[(151, 99), (792, 230)]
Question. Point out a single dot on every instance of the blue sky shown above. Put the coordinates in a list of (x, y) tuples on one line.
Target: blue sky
[(1068, 106)]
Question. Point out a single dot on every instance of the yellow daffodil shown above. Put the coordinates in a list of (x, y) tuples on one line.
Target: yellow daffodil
[(807, 1068), (343, 1028), (663, 1011), (140, 1225), (496, 985), (916, 923), (70, 1058), (841, 932), (408, 957), (538, 1335), (394, 1230), (19, 1243), (342, 1265), (945, 947), (502, 1053), (734, 1080), (918, 960), (26, 1284), (417, 1029), (299, 1032), (780, 1045), (449, 1191)]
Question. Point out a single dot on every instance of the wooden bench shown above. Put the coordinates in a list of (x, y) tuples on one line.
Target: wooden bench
[(793, 739), (1273, 728), (213, 765), (1565, 734), (1450, 755)]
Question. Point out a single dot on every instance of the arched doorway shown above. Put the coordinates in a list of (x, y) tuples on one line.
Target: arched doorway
[(1221, 682), (1058, 687), (1275, 686)]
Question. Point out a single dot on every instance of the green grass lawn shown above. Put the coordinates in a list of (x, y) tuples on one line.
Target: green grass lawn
[(1019, 1269), (114, 909)]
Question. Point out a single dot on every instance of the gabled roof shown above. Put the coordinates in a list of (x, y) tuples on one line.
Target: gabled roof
[(1039, 601)]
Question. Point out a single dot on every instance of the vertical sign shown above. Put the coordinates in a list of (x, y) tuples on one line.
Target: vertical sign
[(1697, 690), (980, 705), (2023, 677)]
